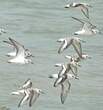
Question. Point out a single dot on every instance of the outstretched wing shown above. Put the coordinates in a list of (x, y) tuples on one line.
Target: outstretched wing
[(62, 47), (74, 69), (87, 25), (66, 43), (20, 50), (85, 11), (25, 98), (65, 88), (58, 81), (62, 71), (33, 98), (7, 42), (77, 46), (77, 19)]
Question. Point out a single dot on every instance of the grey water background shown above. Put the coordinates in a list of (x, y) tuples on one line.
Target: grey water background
[(38, 24)]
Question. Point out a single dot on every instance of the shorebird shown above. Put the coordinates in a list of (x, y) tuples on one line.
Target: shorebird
[(26, 97), (35, 92), (77, 58), (20, 57), (84, 7), (74, 41), (64, 77), (65, 84), (31, 95), (65, 89), (87, 28), (67, 67), (13, 54)]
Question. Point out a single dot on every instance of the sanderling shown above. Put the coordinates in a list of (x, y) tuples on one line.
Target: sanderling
[(30, 94), (87, 28), (82, 6), (67, 67), (77, 58), (20, 57), (74, 41), (13, 54), (65, 84), (62, 78)]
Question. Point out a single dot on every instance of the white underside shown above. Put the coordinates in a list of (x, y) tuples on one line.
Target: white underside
[(20, 60), (12, 54), (84, 32)]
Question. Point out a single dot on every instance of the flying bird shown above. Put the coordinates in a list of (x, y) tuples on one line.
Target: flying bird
[(84, 7), (87, 28), (64, 82), (74, 41), (77, 58), (13, 54), (30, 95), (20, 57)]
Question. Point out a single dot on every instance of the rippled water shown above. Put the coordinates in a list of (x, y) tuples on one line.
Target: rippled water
[(38, 24)]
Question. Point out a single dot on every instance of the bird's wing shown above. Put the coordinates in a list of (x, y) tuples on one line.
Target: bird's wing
[(85, 11), (10, 43), (77, 46), (86, 24), (65, 88), (80, 20), (33, 98), (22, 91), (27, 81), (25, 98), (62, 47), (58, 81), (74, 69), (20, 50), (62, 71), (77, 19), (70, 68), (65, 45)]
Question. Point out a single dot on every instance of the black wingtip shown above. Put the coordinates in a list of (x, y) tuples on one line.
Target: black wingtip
[(30, 105), (32, 62), (62, 101), (50, 77), (4, 41), (18, 105), (54, 85), (10, 38), (59, 52), (72, 17)]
